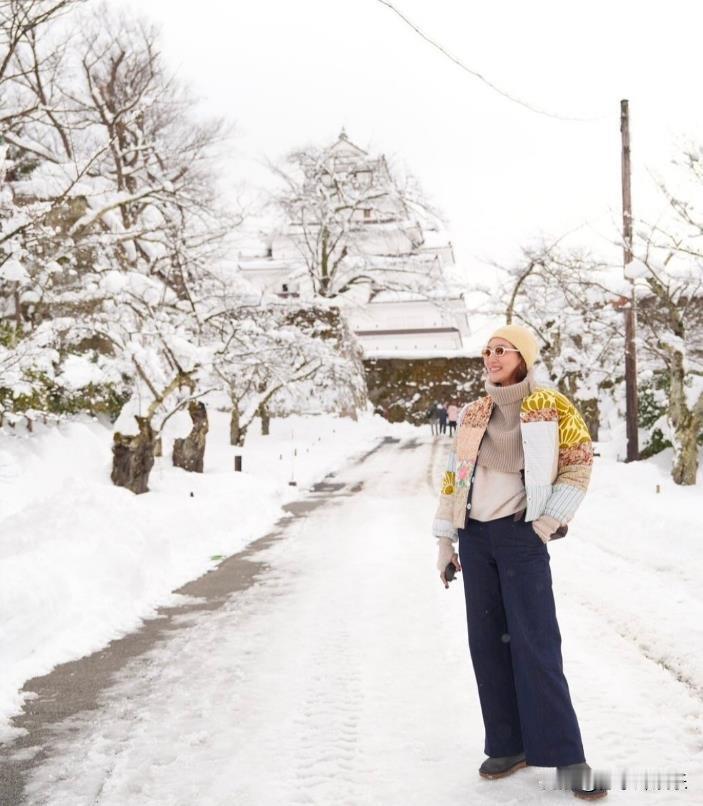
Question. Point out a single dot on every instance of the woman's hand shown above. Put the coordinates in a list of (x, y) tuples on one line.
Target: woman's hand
[(546, 527), (445, 555)]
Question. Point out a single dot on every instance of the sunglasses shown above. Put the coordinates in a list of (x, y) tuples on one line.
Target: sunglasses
[(487, 352)]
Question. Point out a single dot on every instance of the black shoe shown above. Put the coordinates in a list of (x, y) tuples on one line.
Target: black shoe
[(577, 777), (501, 766)]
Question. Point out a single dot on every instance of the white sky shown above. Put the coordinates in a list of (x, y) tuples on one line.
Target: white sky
[(289, 73)]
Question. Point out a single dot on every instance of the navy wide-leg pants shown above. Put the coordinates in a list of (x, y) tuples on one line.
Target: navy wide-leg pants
[(515, 644)]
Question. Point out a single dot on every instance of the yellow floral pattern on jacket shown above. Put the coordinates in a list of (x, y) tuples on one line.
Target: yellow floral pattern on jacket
[(572, 428), (448, 483)]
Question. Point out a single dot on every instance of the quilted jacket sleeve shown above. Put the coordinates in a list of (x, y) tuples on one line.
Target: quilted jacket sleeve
[(575, 462), (443, 523)]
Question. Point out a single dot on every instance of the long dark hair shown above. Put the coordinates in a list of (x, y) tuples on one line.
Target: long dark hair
[(518, 375), (520, 371)]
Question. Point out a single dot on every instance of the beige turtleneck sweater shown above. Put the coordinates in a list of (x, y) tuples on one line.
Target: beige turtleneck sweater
[(498, 489)]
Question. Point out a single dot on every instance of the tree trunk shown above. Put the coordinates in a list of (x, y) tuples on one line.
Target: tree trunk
[(265, 419), (686, 454), (684, 425), (133, 458), (189, 452), (349, 410), (324, 264), (590, 411), (18, 309), (237, 432)]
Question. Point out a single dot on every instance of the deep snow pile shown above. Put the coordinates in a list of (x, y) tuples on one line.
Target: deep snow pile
[(83, 562)]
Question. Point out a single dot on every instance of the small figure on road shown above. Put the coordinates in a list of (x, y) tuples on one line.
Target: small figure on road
[(433, 417), (519, 467), (442, 418), (452, 414)]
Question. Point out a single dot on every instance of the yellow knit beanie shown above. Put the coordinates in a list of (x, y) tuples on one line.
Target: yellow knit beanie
[(522, 338)]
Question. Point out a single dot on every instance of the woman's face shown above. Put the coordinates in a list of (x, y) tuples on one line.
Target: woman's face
[(501, 369)]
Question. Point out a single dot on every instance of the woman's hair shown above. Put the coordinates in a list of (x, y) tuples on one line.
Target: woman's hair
[(520, 371), (538, 377)]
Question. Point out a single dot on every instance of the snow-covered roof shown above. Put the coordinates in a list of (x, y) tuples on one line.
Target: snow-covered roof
[(344, 144), (412, 297), (435, 239), (449, 352), (259, 263)]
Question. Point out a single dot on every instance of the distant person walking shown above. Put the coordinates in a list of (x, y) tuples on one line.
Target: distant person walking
[(433, 417), (452, 414), (442, 418)]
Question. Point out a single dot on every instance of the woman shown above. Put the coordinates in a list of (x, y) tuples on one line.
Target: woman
[(518, 469)]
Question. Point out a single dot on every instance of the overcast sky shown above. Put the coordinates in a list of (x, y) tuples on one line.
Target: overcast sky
[(289, 73)]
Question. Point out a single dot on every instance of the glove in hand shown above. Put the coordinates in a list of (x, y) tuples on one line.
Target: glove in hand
[(545, 526)]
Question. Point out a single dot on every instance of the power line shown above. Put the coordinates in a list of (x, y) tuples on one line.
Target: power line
[(474, 73)]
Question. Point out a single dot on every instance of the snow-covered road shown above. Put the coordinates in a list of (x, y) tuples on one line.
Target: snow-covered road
[(343, 675)]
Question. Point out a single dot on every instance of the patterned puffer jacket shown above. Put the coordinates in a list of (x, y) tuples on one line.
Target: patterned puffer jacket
[(558, 459)]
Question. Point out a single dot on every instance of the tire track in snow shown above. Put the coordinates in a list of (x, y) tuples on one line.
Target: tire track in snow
[(328, 724), (622, 598)]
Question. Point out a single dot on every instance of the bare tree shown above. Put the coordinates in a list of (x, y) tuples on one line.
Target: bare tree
[(572, 302), (669, 276), (111, 197), (354, 223), (567, 296), (20, 21), (161, 209), (265, 350)]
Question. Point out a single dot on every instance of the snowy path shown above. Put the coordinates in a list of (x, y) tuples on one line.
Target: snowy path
[(343, 675)]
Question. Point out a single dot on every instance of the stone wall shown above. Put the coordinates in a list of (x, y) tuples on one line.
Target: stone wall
[(405, 389)]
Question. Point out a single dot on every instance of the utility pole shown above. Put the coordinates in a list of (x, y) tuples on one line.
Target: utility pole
[(629, 309)]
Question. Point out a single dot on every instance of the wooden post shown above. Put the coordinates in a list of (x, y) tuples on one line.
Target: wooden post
[(629, 310)]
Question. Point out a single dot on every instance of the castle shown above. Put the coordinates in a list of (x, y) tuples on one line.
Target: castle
[(391, 277)]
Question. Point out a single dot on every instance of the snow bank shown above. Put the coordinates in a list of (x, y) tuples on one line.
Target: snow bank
[(83, 562)]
